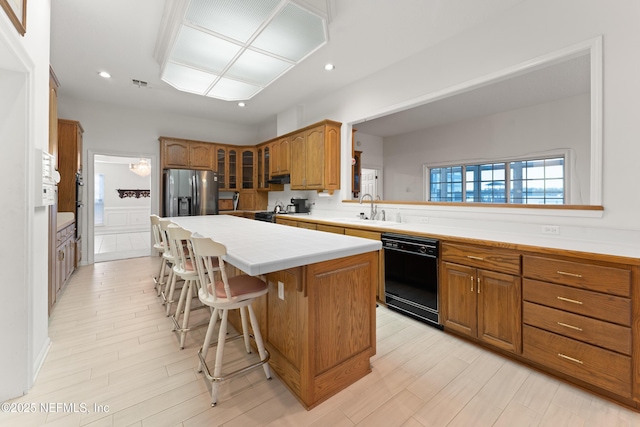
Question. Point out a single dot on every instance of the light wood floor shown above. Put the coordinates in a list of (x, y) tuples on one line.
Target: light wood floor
[(115, 362)]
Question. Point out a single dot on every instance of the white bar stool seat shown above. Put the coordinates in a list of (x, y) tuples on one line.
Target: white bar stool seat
[(184, 268), (223, 295)]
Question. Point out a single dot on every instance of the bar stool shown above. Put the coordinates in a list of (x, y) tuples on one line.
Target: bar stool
[(167, 256), (181, 249), (224, 295), (158, 245)]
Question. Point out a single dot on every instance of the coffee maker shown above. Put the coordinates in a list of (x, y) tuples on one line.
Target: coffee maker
[(299, 205)]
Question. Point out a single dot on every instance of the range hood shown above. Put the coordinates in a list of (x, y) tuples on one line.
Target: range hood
[(279, 179)]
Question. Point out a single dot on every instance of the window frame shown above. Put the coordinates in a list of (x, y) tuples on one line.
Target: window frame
[(566, 154)]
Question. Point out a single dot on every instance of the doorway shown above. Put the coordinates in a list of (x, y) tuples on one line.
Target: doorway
[(369, 182), (121, 207)]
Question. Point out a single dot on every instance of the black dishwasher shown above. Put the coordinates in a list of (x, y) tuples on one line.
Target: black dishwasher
[(411, 276)]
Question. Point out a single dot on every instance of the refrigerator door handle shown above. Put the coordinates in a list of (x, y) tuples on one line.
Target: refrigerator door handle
[(195, 193)]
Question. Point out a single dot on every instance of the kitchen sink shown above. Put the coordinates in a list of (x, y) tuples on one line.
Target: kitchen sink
[(359, 221)]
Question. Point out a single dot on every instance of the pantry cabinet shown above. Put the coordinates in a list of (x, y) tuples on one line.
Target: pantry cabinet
[(69, 162), (481, 295)]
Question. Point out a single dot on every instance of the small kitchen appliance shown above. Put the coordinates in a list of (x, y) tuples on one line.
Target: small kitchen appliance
[(299, 205)]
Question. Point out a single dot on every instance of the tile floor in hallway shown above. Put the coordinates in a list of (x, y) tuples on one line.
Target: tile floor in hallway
[(109, 247), (113, 351)]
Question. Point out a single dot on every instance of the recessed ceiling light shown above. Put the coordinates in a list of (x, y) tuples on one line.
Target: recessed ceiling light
[(329, 67), (104, 74), (241, 104)]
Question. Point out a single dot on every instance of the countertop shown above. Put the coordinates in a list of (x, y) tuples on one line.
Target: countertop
[(590, 243), (64, 219), (258, 247)]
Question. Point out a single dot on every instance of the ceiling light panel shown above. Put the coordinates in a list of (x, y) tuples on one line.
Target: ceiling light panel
[(203, 50), (187, 79), (293, 34), (233, 90), (258, 68), (233, 49), (235, 19)]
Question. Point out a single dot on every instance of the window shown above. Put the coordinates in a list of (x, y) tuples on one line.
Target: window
[(531, 181), (98, 202)]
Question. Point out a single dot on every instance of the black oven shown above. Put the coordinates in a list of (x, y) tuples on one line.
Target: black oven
[(411, 276)]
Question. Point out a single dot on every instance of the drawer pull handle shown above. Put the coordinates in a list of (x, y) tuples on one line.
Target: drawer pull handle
[(564, 356), (570, 326), (564, 273), (569, 300), (475, 257)]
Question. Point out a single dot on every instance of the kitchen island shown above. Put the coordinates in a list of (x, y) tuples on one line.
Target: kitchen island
[(318, 319)]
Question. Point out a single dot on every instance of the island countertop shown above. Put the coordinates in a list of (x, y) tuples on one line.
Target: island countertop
[(258, 247)]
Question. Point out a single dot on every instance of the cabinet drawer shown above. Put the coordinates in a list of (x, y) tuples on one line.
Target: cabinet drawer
[(486, 258), (597, 278), (601, 306), (602, 368), (592, 331)]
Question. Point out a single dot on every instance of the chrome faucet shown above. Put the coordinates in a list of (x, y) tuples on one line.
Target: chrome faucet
[(374, 210)]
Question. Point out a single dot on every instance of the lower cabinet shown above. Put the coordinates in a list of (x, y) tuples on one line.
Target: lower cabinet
[(578, 321), (482, 303), (65, 256)]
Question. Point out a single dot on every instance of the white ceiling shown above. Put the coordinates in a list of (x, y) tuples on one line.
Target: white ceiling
[(119, 36)]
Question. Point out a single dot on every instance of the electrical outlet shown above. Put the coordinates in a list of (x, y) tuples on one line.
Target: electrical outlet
[(281, 290), (550, 229), (424, 220)]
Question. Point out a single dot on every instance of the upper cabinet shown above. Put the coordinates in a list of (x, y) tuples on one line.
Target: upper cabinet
[(180, 153), (281, 155), (249, 175), (263, 161), (315, 157), (227, 167), (311, 156)]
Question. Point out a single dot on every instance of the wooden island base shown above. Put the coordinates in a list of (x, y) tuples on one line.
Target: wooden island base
[(322, 334)]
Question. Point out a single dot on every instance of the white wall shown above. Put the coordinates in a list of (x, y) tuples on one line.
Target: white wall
[(527, 31), (562, 124), (24, 126)]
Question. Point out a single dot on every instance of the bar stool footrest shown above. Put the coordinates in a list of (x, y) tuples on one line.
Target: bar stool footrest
[(235, 373)]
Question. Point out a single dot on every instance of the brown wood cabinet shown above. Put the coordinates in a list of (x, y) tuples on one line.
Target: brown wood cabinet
[(252, 200), (65, 257), (227, 167), (577, 318), (249, 172), (479, 302), (281, 156), (185, 154), (69, 162), (315, 158), (263, 165)]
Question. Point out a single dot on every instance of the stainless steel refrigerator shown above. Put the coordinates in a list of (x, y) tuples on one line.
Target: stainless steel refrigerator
[(189, 192)]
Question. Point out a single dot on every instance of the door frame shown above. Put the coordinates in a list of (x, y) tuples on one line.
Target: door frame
[(90, 184)]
